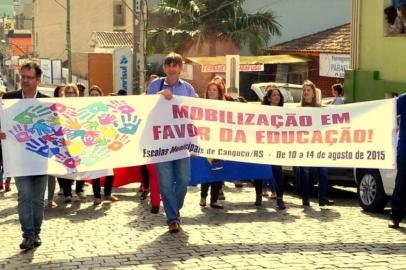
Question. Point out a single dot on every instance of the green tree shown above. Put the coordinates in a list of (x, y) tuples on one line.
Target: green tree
[(202, 21)]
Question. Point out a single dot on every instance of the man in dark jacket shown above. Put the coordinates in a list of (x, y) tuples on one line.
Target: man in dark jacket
[(31, 189), (399, 197)]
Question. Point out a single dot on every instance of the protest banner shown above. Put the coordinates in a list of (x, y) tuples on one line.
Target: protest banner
[(60, 136)]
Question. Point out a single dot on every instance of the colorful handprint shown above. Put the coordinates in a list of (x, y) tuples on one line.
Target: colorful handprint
[(121, 107), (32, 112), (89, 112), (76, 137), (67, 160), (21, 133), (97, 154), (41, 147), (41, 128), (129, 124)]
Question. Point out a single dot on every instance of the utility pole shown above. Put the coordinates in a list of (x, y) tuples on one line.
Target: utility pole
[(135, 10), (33, 38), (143, 43), (140, 18), (68, 41)]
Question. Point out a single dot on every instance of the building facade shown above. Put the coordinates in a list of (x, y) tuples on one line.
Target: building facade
[(329, 55), (377, 59), (86, 17)]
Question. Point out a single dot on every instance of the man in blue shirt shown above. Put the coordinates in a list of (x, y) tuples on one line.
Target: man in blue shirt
[(173, 176), (399, 194)]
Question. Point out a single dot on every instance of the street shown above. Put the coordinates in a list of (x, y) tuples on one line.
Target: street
[(124, 235)]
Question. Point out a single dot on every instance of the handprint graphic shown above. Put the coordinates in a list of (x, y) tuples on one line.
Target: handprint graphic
[(20, 132), (129, 124), (118, 142), (32, 112), (121, 107)]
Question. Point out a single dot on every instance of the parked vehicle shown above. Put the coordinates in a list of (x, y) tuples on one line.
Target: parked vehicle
[(374, 187), (260, 88), (291, 92), (336, 177)]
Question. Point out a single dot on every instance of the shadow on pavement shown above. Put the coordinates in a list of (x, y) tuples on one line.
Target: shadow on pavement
[(171, 248), (74, 213)]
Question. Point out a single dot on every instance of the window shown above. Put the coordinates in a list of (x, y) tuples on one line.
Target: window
[(395, 17), (119, 14)]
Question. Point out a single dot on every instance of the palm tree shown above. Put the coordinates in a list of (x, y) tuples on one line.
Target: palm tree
[(201, 21)]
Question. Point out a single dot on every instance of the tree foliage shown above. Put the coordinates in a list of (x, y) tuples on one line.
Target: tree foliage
[(202, 21)]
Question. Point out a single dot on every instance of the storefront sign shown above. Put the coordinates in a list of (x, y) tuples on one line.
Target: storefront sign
[(334, 65), (122, 69), (221, 68)]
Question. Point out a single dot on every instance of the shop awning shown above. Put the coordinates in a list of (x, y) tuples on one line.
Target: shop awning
[(250, 60)]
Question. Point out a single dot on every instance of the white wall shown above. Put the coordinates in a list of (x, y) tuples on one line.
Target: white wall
[(303, 17)]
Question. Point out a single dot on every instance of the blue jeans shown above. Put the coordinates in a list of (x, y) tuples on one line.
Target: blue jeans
[(31, 191), (174, 177), (398, 197), (323, 182)]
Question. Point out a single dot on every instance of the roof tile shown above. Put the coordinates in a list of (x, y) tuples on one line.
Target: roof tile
[(111, 39), (333, 40)]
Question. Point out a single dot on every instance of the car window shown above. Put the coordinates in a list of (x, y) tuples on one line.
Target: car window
[(285, 92)]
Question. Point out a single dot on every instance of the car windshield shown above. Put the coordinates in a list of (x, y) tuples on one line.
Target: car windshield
[(286, 94)]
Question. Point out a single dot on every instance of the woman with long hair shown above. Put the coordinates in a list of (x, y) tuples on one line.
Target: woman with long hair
[(95, 91), (213, 91), (273, 97), (71, 90), (309, 99)]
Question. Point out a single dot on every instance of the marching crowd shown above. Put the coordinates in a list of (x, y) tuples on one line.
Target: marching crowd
[(173, 176)]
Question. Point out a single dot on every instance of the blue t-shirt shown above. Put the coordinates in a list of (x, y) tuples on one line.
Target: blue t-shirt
[(401, 112), (181, 88)]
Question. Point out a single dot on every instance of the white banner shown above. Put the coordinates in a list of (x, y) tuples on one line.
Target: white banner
[(59, 136), (334, 65)]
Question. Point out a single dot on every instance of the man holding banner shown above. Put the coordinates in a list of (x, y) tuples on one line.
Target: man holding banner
[(31, 189), (173, 176)]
